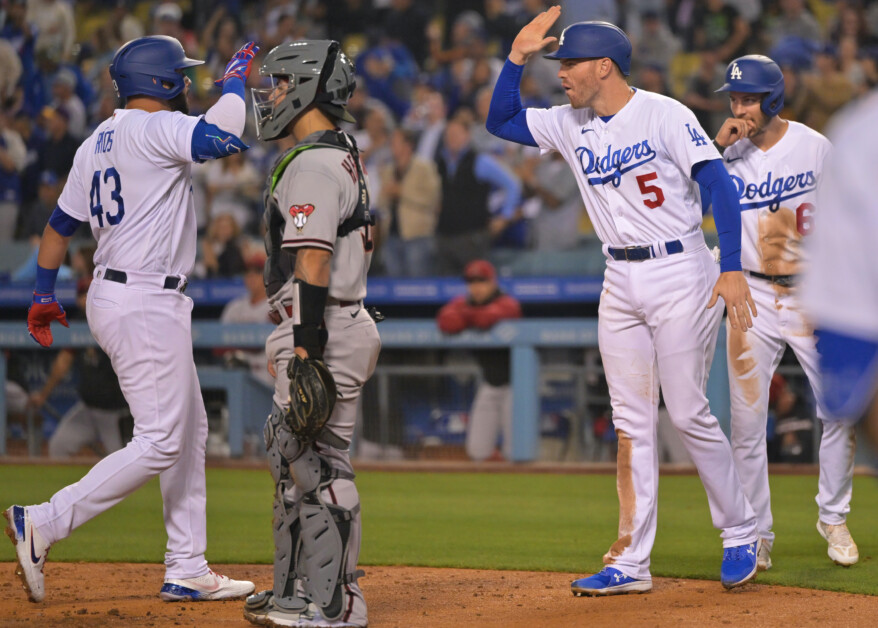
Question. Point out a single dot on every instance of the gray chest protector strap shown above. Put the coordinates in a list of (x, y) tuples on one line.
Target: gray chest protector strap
[(280, 265), (311, 537)]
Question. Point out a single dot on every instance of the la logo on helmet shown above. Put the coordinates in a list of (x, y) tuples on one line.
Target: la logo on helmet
[(736, 72)]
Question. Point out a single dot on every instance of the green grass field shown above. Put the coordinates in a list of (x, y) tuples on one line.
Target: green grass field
[(490, 521)]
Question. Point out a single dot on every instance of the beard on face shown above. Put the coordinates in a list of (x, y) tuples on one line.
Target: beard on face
[(180, 103)]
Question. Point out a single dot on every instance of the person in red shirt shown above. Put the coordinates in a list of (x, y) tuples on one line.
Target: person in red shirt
[(481, 308)]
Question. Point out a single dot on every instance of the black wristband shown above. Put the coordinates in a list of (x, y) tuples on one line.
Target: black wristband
[(309, 302), (309, 338)]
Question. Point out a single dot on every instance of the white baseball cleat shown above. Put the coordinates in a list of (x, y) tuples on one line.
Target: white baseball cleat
[(30, 549), (261, 610), (763, 557), (842, 549), (210, 586)]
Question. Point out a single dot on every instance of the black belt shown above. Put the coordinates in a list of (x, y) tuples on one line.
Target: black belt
[(172, 282), (787, 281), (640, 253)]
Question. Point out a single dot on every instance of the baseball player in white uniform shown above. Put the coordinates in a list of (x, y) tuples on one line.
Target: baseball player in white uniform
[(776, 166), (638, 158), (131, 182), (319, 245), (840, 290)]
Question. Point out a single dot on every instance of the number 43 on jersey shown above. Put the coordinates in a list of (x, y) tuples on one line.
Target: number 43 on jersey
[(94, 197)]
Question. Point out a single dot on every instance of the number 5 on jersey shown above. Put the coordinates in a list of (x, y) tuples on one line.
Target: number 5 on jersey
[(645, 189), (94, 198)]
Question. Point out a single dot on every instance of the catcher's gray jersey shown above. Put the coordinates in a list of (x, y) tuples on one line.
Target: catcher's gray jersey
[(320, 194)]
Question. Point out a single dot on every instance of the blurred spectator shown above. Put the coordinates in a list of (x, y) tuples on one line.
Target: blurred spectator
[(653, 78), (95, 418), (795, 100), (221, 251), (220, 37), (850, 66), (346, 21), (709, 107), (828, 89), (790, 425), (167, 19), (64, 96), (656, 45), (27, 271), (428, 117), (34, 139), (374, 140), (555, 201), (61, 146), (409, 200), (19, 33), (389, 71), (794, 20), (466, 227), (481, 308), (850, 22), (34, 216), (13, 158), (232, 186), (573, 11), (251, 307), (10, 62), (717, 26), (55, 25), (406, 22)]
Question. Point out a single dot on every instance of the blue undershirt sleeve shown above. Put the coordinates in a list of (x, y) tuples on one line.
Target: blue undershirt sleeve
[(63, 223), (506, 117), (211, 142), (713, 176), (489, 170), (234, 85)]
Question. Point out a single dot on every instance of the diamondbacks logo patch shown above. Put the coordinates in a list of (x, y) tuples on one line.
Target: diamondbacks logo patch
[(300, 215)]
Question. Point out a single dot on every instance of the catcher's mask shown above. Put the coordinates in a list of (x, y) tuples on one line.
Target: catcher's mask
[(317, 72)]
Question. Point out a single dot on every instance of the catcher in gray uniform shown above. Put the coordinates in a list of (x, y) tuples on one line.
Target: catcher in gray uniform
[(319, 245)]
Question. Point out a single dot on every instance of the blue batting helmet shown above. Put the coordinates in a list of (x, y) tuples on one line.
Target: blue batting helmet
[(756, 74), (595, 40), (150, 66)]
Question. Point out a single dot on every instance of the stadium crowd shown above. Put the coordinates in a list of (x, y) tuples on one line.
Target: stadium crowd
[(443, 189)]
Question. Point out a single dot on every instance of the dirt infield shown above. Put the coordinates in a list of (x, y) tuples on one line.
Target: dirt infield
[(89, 594)]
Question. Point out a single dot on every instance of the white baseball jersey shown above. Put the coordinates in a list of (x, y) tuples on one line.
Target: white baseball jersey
[(778, 190), (131, 181), (841, 291), (634, 171)]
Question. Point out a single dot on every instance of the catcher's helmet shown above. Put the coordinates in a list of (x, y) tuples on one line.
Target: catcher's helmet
[(757, 74), (595, 40), (318, 72), (150, 66)]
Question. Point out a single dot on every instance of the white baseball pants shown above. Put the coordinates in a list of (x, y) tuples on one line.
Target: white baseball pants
[(147, 333), (654, 330), (753, 358)]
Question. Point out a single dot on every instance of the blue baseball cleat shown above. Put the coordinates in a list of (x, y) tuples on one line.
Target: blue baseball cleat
[(739, 564), (609, 582)]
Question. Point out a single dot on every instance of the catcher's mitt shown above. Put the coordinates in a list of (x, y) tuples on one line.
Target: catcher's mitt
[(312, 397)]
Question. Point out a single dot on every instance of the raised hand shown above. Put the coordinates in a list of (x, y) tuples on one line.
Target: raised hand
[(532, 38), (43, 310), (240, 64)]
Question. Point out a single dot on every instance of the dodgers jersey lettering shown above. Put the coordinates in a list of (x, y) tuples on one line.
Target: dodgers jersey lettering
[(317, 192), (778, 191), (131, 181), (634, 171)]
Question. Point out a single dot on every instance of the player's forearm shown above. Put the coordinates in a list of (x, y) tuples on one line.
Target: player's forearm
[(313, 266), (60, 368), (726, 211), (507, 118), (53, 249)]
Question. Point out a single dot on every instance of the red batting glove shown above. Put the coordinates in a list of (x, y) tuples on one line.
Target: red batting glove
[(44, 309), (241, 63)]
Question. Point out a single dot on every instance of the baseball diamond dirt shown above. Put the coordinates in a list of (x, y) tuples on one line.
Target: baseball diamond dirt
[(122, 594)]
